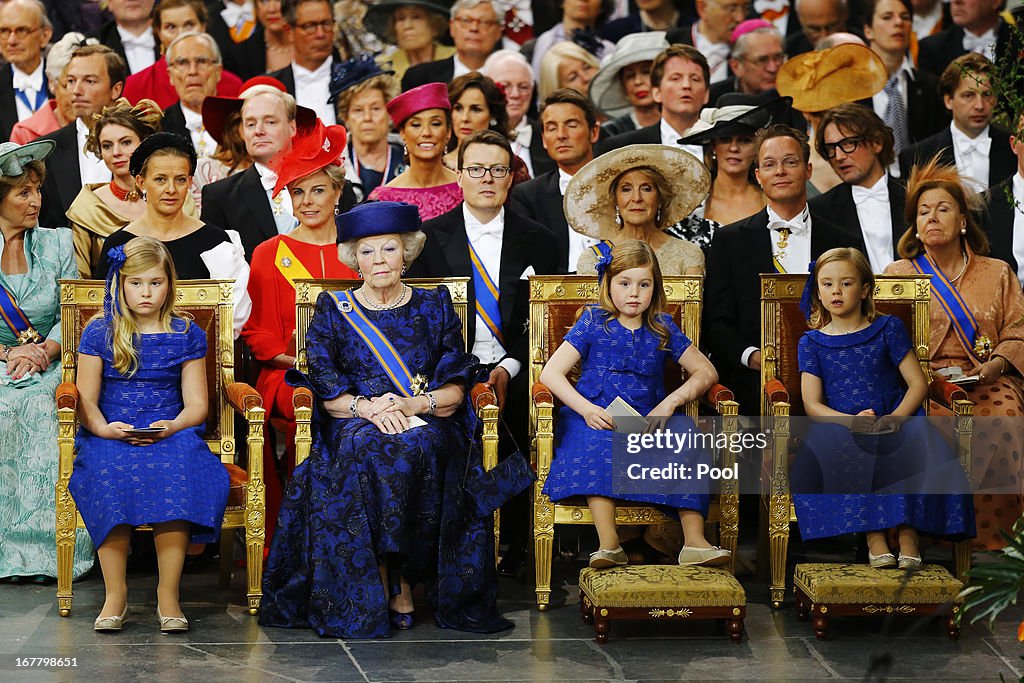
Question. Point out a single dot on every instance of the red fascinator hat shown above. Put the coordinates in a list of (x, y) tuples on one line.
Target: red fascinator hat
[(420, 98), (311, 151)]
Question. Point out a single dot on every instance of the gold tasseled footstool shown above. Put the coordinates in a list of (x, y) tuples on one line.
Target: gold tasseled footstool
[(661, 593), (847, 590)]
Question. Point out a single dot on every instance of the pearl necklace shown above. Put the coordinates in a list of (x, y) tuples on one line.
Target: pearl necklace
[(385, 306), (952, 280)]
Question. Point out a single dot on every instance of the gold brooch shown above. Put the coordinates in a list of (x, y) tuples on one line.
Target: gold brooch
[(418, 385), (29, 336), (983, 347)]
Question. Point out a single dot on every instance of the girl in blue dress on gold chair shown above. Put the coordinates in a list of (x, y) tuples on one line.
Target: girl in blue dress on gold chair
[(860, 374), (143, 407), (624, 343)]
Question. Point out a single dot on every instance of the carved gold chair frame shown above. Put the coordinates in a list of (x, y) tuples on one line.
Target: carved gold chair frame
[(555, 302), (210, 304), (782, 326)]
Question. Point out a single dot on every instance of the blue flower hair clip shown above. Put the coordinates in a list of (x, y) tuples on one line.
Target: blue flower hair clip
[(807, 298), (351, 72), (602, 264), (111, 298)]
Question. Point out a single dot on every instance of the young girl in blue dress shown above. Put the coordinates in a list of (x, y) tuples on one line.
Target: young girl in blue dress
[(858, 370), (141, 365), (623, 343)]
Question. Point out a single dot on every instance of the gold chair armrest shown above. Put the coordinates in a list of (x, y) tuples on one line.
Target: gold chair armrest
[(302, 403), (776, 391), (945, 393), (242, 397), (247, 402), (67, 396)]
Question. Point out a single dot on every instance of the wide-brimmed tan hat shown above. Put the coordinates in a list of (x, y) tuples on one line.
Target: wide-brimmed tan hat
[(827, 78), (606, 90), (588, 203)]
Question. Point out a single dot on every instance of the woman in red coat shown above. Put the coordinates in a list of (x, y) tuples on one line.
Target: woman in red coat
[(312, 173)]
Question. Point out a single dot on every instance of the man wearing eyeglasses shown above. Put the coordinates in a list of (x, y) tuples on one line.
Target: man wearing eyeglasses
[(869, 202), (497, 249), (755, 58), (308, 77), (130, 33), (782, 237), (476, 28), (194, 64), (24, 32)]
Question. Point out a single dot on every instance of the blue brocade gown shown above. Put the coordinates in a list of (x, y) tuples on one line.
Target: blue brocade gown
[(615, 362), (174, 479), (419, 501), (860, 370)]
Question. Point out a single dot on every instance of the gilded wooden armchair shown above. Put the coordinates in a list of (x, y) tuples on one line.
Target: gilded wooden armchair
[(782, 326), (209, 302), (555, 302)]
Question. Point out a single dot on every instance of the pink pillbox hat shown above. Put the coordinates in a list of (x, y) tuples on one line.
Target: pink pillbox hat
[(420, 98), (746, 27)]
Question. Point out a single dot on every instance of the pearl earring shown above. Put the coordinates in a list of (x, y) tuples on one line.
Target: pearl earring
[(963, 231), (337, 210), (917, 235), (618, 217), (657, 217)]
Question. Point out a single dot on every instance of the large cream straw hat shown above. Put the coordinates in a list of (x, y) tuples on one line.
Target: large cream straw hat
[(588, 203)]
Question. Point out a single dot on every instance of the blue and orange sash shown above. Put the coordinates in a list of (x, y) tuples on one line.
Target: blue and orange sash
[(16, 319), (390, 360), (486, 294), (961, 320)]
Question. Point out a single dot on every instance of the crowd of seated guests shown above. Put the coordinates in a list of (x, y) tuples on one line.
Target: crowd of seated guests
[(494, 141)]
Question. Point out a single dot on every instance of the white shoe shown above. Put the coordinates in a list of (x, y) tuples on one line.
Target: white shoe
[(602, 559), (171, 624), (106, 624), (711, 557)]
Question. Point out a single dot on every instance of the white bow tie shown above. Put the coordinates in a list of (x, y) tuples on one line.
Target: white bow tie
[(524, 133), (863, 194), (980, 44), (236, 15), (268, 179), (979, 145), (493, 229), (146, 41), (27, 82), (305, 77)]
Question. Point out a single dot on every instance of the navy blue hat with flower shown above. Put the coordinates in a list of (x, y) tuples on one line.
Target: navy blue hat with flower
[(352, 72), (377, 218)]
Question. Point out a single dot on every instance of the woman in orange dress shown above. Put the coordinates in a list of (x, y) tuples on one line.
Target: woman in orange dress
[(313, 175)]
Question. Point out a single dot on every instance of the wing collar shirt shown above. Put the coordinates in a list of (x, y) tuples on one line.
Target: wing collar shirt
[(139, 50), (486, 239), (972, 156), (90, 167), (578, 242), (875, 217), (313, 89)]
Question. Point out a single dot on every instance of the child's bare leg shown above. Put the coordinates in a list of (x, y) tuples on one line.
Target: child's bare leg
[(403, 601), (693, 529), (603, 511), (171, 539), (908, 541), (113, 553), (877, 544)]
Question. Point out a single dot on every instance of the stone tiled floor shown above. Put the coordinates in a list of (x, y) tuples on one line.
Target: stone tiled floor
[(226, 644)]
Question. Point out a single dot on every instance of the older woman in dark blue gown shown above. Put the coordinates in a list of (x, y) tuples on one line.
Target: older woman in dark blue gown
[(393, 493)]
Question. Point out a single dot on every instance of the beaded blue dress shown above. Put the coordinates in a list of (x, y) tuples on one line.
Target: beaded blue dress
[(836, 472), (175, 478), (617, 361), (418, 502)]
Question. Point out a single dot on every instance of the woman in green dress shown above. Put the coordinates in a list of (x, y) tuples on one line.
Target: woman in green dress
[(32, 260)]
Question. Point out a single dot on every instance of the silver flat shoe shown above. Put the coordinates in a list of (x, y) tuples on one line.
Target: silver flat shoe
[(909, 562), (107, 624), (711, 557), (602, 559), (883, 561), (171, 624)]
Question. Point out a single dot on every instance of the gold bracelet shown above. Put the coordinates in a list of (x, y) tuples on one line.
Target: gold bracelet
[(1006, 365)]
